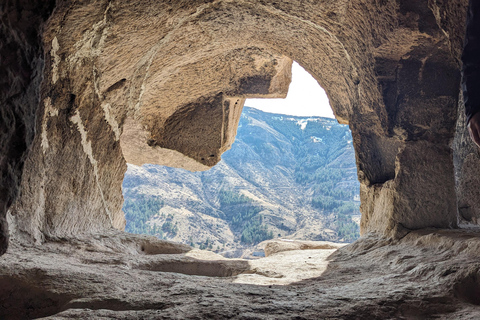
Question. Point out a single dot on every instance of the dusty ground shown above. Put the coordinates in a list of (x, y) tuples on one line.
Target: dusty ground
[(428, 274)]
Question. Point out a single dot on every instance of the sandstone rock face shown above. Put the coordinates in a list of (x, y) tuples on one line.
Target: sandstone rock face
[(163, 82), (275, 246), (83, 82), (93, 86), (202, 125)]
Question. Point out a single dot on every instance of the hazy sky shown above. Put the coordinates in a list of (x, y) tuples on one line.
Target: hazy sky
[(305, 97)]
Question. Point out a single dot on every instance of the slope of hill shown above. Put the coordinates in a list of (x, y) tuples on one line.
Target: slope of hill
[(285, 176)]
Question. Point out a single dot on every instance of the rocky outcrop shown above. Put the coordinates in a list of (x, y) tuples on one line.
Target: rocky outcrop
[(181, 128), (174, 76), (467, 172), (281, 245), (88, 96)]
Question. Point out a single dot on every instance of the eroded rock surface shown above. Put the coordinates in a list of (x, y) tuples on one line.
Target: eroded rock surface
[(281, 245), (79, 76), (165, 82), (21, 65), (467, 172), (430, 274)]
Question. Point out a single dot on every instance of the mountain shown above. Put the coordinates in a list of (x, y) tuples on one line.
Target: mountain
[(285, 176)]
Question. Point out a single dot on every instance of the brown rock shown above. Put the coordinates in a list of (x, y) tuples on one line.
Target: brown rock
[(82, 82), (165, 83), (428, 274), (467, 172), (21, 73)]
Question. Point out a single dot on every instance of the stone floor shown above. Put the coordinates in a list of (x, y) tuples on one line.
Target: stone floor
[(429, 274)]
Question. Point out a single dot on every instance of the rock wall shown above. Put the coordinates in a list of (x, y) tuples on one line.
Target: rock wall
[(164, 82), (21, 64), (414, 187), (92, 87), (467, 172)]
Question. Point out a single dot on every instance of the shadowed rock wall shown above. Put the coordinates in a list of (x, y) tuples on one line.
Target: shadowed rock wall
[(21, 64), (467, 172), (164, 82), (420, 90)]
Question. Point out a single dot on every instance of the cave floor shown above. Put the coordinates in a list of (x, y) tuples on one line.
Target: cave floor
[(429, 274)]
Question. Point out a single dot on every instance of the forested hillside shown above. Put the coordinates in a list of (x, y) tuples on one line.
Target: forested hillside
[(285, 176)]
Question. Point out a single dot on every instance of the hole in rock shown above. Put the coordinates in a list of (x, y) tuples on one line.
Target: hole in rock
[(191, 266), (290, 174), (24, 298), (468, 289)]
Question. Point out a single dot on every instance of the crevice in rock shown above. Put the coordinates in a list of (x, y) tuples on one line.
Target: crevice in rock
[(26, 299), (190, 266), (467, 288)]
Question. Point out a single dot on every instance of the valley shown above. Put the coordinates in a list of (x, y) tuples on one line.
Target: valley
[(284, 177)]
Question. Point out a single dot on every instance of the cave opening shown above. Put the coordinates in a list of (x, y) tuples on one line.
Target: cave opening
[(392, 70), (290, 175)]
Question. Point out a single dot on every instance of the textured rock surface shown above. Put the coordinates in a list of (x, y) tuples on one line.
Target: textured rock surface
[(467, 172), (70, 86), (430, 274), (21, 63), (275, 246), (168, 81), (201, 127), (88, 95), (75, 91)]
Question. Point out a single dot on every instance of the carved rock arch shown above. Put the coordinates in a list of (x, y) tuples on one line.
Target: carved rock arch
[(168, 80)]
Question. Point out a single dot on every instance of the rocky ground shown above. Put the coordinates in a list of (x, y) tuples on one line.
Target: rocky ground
[(427, 274)]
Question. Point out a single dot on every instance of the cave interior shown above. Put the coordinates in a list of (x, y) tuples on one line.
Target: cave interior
[(88, 86)]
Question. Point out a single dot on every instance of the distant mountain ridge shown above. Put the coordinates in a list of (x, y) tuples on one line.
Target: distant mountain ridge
[(285, 176)]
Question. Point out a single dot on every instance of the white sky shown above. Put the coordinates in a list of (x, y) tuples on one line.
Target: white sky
[(305, 97)]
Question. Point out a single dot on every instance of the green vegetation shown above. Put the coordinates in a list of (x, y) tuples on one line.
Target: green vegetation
[(322, 151), (228, 198), (244, 217), (347, 230), (138, 211), (207, 245), (318, 155), (255, 232), (325, 203), (169, 227)]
